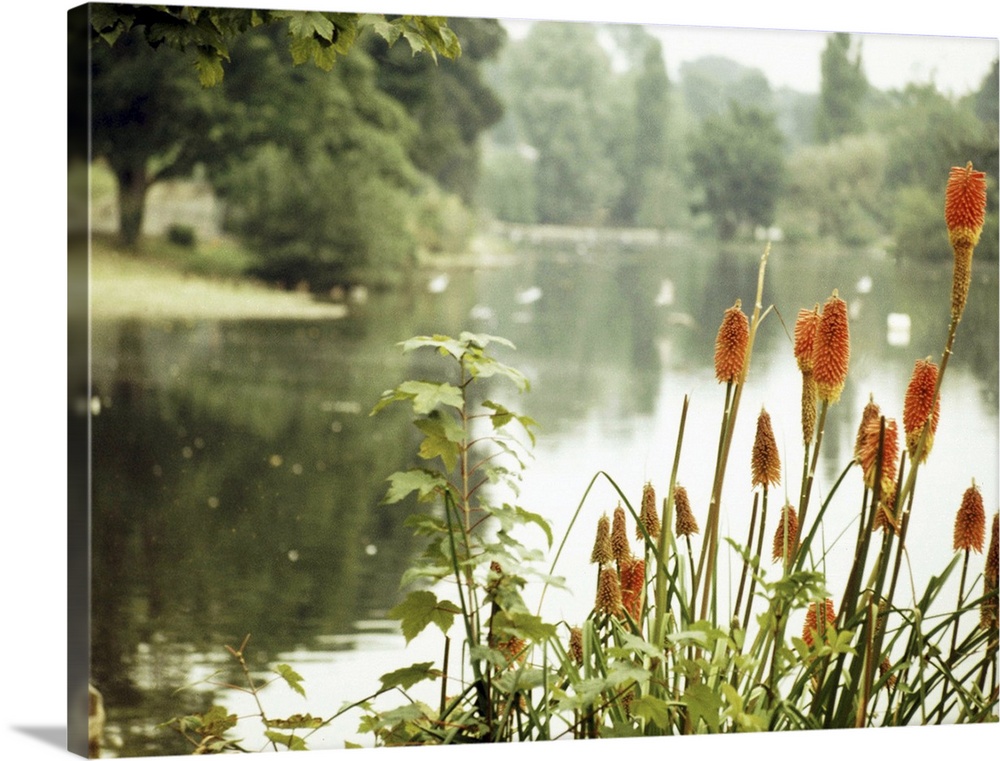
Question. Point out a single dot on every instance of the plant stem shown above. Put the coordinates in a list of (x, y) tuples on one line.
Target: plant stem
[(746, 560), (961, 594), (760, 549)]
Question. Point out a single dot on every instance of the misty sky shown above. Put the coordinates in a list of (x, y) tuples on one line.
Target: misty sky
[(955, 65)]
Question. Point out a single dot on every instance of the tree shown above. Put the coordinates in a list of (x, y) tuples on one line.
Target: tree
[(838, 190), (643, 155), (449, 100), (843, 87), (738, 164), (152, 119), (558, 86), (323, 191)]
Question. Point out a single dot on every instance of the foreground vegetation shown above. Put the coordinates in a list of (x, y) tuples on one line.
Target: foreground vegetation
[(658, 654)]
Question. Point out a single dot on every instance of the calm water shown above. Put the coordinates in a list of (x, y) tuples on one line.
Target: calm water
[(237, 474)]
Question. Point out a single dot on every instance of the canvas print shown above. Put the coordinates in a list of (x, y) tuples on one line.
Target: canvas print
[(482, 380)]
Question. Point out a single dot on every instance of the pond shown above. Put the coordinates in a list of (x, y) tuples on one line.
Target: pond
[(237, 474)]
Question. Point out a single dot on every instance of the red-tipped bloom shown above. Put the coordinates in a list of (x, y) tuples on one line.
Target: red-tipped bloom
[(731, 345), (870, 412), (890, 451), (965, 205), (633, 580), (620, 548), (964, 213), (918, 407), (831, 350), (810, 628), (805, 336), (970, 521)]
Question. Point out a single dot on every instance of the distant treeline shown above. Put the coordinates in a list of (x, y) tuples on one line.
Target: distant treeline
[(333, 176), (596, 133)]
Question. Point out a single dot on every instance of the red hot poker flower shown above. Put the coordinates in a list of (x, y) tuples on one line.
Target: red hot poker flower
[(964, 213), (810, 628), (731, 344), (831, 350), (917, 407), (970, 522), (965, 205)]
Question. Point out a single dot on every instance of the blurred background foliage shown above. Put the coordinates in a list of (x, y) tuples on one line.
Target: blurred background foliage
[(356, 174)]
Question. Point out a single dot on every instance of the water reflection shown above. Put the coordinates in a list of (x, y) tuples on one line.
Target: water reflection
[(237, 474)]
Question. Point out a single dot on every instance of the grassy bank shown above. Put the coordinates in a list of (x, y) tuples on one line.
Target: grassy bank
[(172, 282)]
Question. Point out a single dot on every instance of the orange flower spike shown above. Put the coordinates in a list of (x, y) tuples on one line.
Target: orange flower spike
[(890, 453), (810, 628), (870, 412), (648, 515), (633, 579), (602, 552), (805, 336), (765, 465), (964, 213), (731, 345), (684, 520), (917, 407), (965, 205), (831, 350), (778, 549), (970, 521)]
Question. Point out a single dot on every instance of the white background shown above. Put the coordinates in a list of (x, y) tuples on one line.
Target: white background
[(32, 402)]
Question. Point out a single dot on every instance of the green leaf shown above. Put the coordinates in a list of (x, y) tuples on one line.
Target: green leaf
[(703, 703), (293, 679), (427, 396), (421, 608), (309, 23), (538, 520), (209, 65), (388, 31), (409, 676), (521, 679), (215, 721), (426, 483), (632, 644), (295, 721), (652, 710), (289, 741), (442, 435), (444, 344)]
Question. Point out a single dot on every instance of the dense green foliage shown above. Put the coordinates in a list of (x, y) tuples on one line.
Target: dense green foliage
[(739, 162), (319, 37)]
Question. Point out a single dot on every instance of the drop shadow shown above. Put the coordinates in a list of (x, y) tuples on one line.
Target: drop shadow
[(50, 735)]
